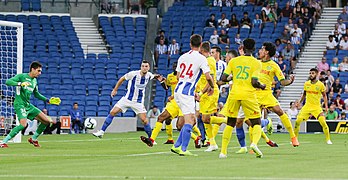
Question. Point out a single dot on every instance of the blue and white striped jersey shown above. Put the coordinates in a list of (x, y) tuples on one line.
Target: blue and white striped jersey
[(136, 85), (220, 68)]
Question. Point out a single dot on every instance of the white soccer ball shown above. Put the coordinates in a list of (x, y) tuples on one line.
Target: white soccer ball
[(90, 123)]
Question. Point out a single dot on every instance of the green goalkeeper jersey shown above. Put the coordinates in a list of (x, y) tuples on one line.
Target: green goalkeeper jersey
[(23, 93)]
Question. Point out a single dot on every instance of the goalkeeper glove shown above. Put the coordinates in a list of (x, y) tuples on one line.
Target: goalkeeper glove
[(54, 100), (23, 84)]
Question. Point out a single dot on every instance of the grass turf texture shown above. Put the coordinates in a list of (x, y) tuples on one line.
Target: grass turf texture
[(124, 156)]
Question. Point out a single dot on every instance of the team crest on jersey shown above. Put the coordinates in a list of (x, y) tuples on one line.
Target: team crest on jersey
[(317, 88), (269, 68)]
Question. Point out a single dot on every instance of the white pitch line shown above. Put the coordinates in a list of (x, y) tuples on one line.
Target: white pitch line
[(147, 177)]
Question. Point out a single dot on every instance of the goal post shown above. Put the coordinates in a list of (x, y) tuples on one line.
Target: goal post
[(11, 63)]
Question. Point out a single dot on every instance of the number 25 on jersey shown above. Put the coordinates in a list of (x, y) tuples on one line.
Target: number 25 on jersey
[(243, 72), (185, 71)]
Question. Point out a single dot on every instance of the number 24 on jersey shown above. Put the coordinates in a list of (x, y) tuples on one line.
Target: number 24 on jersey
[(185, 71)]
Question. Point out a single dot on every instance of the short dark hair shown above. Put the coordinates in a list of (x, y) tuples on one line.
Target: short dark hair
[(76, 103), (249, 44), (270, 47), (35, 65), (206, 46), (145, 61), (196, 40), (217, 49), (314, 69), (234, 52), (245, 12)]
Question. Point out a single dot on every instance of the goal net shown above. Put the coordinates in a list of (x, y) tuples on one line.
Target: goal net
[(11, 60)]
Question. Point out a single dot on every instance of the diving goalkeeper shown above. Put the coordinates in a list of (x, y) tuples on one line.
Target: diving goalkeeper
[(26, 84)]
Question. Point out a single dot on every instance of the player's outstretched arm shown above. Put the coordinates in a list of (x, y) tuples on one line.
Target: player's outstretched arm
[(287, 82), (38, 95), (118, 84), (256, 84), (15, 81), (162, 80)]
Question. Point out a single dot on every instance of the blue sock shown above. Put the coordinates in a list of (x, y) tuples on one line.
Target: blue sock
[(241, 136), (107, 122), (186, 136), (179, 140), (201, 127), (264, 122), (147, 129)]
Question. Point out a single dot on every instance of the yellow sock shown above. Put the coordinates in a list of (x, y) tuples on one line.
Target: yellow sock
[(256, 134), (156, 130), (196, 130), (217, 120), (226, 137), (286, 122), (264, 136), (251, 134), (169, 131), (297, 127), (193, 136), (323, 124), (209, 131), (216, 128)]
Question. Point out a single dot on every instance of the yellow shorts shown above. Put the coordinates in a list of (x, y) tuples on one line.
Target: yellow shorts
[(250, 107), (306, 111), (266, 99), (173, 109), (208, 104)]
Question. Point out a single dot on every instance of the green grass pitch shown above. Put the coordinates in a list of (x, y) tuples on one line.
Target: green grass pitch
[(124, 156)]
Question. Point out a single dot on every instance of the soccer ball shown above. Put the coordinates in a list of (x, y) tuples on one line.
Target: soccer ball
[(90, 123)]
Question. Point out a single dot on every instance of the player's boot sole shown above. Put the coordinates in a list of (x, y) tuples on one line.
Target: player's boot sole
[(176, 150), (35, 143), (147, 141), (187, 153)]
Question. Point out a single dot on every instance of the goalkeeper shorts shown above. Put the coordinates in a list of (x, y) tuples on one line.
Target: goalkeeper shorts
[(26, 112)]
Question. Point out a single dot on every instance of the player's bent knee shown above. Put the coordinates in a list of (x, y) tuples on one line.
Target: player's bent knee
[(23, 122), (231, 121)]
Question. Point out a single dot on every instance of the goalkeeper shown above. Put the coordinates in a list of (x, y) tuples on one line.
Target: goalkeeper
[(26, 84)]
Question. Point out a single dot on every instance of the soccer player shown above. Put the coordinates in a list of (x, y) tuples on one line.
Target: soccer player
[(208, 103), (190, 67), (26, 85), (313, 91), (220, 64), (134, 98), (245, 70), (270, 69)]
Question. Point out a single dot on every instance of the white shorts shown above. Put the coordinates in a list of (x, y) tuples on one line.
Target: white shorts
[(241, 113), (124, 104), (197, 106), (186, 103)]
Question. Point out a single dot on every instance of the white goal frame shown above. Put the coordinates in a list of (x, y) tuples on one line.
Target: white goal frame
[(19, 26)]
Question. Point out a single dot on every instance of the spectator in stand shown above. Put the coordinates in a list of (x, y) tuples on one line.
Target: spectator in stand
[(343, 16), (336, 36), (223, 93), (217, 3), (342, 26), (282, 65), (340, 32), (292, 112), (331, 44), (134, 7), (323, 65), (332, 114), (295, 39), (346, 88), (289, 26), (285, 37), (343, 67), (343, 116), (277, 10), (76, 116), (245, 22), (344, 43), (211, 22), (257, 21), (289, 54), (339, 102), (272, 16), (308, 18), (161, 48), (286, 11), (304, 29), (214, 38), (153, 113), (314, 7), (298, 30), (105, 6), (264, 17), (267, 9), (336, 87), (173, 48), (51, 127), (330, 98), (234, 23), (229, 3), (330, 79), (224, 38), (237, 39), (334, 66), (161, 35), (224, 52), (279, 46), (297, 11), (241, 2), (223, 22)]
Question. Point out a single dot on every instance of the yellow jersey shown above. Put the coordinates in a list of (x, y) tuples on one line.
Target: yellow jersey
[(314, 93), (243, 69), (202, 80), (268, 71), (172, 81)]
